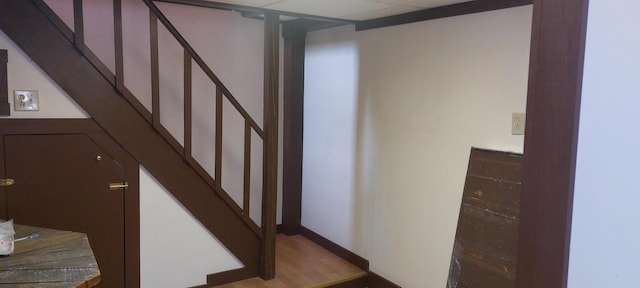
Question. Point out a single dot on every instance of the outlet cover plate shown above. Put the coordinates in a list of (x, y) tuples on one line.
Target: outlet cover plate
[(26, 100), (517, 123)]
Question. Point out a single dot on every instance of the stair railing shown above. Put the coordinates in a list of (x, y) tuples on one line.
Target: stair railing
[(153, 117)]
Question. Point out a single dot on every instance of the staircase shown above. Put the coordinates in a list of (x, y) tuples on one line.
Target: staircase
[(63, 55)]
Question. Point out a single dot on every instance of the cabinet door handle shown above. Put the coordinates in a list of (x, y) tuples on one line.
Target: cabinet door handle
[(7, 182), (118, 185)]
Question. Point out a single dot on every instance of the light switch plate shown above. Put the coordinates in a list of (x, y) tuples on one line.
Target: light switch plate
[(26, 100), (517, 123)]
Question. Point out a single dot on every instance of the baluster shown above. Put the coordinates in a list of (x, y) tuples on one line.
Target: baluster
[(155, 72), (218, 138), (117, 23), (187, 105), (78, 23), (247, 168)]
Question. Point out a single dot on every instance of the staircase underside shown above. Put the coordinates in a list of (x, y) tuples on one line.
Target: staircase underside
[(24, 23)]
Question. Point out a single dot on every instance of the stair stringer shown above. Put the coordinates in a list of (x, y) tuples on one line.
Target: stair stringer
[(28, 27)]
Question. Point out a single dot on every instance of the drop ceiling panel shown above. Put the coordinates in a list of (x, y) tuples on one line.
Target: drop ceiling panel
[(420, 3), (328, 8), (252, 3), (345, 9)]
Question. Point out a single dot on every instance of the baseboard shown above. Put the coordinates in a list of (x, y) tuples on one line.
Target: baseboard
[(377, 281), (229, 276), (336, 249)]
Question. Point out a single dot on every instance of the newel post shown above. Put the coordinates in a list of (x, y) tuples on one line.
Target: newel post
[(270, 152)]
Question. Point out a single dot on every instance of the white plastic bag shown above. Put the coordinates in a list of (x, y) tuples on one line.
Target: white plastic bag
[(6, 237)]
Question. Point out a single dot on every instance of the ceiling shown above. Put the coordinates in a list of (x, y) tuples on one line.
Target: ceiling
[(345, 9)]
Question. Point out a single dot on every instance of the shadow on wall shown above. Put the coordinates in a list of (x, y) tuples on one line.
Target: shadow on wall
[(390, 117)]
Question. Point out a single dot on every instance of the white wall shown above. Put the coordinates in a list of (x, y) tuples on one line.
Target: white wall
[(604, 241), (176, 251), (390, 117)]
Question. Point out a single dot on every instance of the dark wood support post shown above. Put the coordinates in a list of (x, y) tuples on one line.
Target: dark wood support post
[(5, 108), (270, 178), (294, 51), (550, 144)]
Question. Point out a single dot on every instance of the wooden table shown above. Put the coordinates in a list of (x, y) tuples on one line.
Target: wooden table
[(53, 259)]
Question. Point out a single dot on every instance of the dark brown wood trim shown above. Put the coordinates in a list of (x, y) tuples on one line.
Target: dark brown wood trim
[(155, 70), (377, 281), (550, 143), (254, 10), (119, 54), (360, 282), (132, 220), (78, 23), (55, 20), (270, 154), (218, 148), (229, 276), (335, 249), (4, 201), (25, 24), (40, 126), (188, 103), (292, 27), (5, 107), (131, 169), (293, 109), (246, 185), (464, 8)]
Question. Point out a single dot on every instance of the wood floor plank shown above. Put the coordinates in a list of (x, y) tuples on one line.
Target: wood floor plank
[(300, 263)]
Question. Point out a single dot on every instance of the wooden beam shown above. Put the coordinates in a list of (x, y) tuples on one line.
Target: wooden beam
[(464, 8), (155, 70), (550, 144), (270, 152), (5, 107), (294, 52), (119, 50), (188, 106), (292, 27), (78, 23)]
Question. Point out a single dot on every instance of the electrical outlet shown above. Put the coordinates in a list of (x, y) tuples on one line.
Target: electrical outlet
[(25, 100), (517, 123)]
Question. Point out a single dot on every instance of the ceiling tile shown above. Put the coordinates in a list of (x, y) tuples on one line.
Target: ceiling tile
[(328, 8), (420, 3), (252, 3)]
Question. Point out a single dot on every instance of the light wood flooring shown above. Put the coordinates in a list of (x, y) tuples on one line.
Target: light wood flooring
[(300, 263)]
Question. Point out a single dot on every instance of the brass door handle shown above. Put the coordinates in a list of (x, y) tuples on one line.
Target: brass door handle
[(6, 182), (118, 185)]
